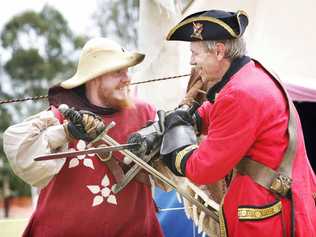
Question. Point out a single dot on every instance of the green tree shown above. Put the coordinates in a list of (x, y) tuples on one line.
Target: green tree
[(118, 19), (38, 50), (41, 48)]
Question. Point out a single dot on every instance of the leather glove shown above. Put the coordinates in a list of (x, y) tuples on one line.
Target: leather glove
[(177, 118), (148, 137), (178, 141), (83, 125), (196, 89)]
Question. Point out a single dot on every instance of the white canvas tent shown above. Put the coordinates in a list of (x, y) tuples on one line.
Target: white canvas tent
[(280, 33)]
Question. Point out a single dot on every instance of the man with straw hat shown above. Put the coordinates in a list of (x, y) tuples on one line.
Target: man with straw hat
[(251, 125), (76, 197)]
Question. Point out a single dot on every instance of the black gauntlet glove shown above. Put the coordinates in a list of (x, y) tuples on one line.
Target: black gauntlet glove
[(148, 137), (179, 140), (177, 118), (83, 125)]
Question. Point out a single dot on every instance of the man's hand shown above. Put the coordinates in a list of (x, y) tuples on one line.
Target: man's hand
[(148, 137), (179, 140), (177, 118), (82, 124)]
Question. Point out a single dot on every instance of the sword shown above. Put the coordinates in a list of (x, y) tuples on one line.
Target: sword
[(132, 172), (101, 149), (211, 209)]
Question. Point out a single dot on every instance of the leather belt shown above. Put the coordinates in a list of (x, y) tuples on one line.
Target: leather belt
[(279, 181), (265, 176)]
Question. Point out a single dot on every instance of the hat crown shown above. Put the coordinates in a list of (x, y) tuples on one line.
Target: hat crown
[(101, 44), (210, 25), (99, 56), (219, 14)]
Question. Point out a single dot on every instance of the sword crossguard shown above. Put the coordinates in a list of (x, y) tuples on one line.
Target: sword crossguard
[(100, 139)]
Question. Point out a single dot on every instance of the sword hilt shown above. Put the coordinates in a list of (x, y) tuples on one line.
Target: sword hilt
[(83, 124), (70, 113)]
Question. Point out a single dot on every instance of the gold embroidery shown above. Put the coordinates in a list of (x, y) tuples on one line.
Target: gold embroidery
[(180, 156), (249, 213), (222, 225), (197, 30), (214, 20), (240, 12), (204, 18)]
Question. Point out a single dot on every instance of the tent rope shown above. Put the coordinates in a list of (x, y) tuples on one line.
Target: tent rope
[(134, 83)]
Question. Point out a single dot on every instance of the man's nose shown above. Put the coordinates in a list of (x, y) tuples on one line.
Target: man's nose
[(125, 78), (192, 61)]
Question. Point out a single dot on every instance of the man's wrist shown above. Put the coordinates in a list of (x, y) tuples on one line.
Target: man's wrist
[(56, 136)]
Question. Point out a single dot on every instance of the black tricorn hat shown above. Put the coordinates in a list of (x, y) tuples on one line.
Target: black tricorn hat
[(210, 25)]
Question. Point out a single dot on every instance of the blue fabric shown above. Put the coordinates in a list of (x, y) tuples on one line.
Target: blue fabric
[(172, 216)]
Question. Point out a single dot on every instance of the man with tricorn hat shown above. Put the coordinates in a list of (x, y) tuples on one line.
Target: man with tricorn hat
[(251, 125), (77, 197)]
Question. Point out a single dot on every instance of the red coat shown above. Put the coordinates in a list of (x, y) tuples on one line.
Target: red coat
[(249, 118), (78, 201)]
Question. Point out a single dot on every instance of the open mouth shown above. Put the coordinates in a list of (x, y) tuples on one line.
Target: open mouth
[(122, 90), (123, 87)]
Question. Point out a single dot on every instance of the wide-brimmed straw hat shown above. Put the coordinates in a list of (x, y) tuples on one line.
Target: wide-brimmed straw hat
[(100, 56)]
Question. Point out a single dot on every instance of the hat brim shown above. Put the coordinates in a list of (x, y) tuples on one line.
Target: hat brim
[(125, 60)]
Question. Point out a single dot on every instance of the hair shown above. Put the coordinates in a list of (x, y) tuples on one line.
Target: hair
[(235, 48)]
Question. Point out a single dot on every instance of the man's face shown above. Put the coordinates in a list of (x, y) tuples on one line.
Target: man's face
[(207, 61), (113, 89)]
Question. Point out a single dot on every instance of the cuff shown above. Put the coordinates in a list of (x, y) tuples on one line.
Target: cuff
[(181, 158), (56, 136)]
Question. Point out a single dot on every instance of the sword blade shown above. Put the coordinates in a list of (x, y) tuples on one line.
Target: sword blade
[(131, 173), (102, 149), (211, 209)]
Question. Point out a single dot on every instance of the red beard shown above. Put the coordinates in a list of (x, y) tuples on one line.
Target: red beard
[(116, 101)]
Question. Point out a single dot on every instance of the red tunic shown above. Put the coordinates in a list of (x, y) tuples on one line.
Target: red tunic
[(79, 201), (249, 118)]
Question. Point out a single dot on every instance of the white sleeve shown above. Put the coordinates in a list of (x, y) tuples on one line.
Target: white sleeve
[(37, 135)]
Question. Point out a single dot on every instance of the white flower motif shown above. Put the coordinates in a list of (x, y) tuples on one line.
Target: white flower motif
[(94, 188), (73, 162), (112, 199), (97, 200), (105, 192), (105, 181), (102, 192), (87, 162)]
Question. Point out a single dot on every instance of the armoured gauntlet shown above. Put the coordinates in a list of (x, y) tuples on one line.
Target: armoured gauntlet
[(179, 139), (83, 125), (148, 137)]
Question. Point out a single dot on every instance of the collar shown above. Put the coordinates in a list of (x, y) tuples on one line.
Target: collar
[(235, 66), (76, 98)]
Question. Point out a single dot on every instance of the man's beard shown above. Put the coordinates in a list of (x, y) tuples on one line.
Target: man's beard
[(117, 101)]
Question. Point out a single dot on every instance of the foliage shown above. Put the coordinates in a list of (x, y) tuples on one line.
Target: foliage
[(38, 50), (118, 19), (41, 47)]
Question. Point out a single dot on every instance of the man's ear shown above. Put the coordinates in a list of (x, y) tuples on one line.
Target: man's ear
[(220, 51)]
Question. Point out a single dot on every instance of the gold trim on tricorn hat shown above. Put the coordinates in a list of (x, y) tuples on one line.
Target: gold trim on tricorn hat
[(100, 56), (210, 25)]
